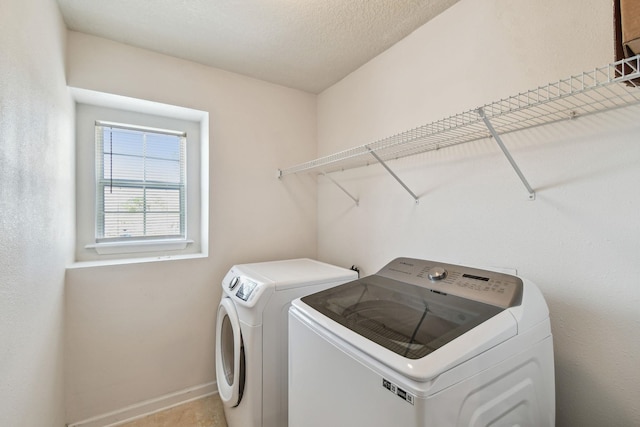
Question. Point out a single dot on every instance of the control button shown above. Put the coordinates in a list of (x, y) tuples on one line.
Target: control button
[(437, 273), (234, 282)]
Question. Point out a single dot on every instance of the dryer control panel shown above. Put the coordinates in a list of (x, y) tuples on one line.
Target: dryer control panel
[(243, 289), (246, 288), (490, 287)]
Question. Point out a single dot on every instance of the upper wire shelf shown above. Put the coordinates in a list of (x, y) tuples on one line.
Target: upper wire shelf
[(601, 89)]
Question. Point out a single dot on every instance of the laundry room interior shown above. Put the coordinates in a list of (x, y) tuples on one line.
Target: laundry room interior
[(89, 339)]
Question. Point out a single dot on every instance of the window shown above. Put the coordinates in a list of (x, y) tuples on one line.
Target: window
[(142, 179), (140, 183)]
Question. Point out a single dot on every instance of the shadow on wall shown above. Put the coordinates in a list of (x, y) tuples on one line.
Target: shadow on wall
[(590, 338)]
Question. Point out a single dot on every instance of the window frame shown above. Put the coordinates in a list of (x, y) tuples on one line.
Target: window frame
[(95, 106)]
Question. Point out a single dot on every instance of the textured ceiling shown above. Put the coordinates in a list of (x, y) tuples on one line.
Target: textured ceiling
[(303, 44)]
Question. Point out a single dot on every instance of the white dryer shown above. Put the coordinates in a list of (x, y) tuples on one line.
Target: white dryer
[(251, 335), (422, 344)]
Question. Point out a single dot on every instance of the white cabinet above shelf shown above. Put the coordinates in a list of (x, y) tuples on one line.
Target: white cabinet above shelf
[(601, 89)]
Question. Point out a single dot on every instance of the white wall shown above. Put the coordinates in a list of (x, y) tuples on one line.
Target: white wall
[(141, 331), (579, 240), (36, 211)]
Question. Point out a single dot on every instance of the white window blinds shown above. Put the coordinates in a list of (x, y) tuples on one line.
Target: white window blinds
[(140, 183)]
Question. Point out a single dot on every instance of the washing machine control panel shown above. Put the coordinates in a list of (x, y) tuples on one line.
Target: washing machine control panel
[(491, 287)]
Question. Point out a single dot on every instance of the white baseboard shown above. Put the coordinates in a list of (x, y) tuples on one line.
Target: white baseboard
[(151, 406)]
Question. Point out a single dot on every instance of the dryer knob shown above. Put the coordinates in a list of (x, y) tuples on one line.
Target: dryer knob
[(437, 273), (234, 282)]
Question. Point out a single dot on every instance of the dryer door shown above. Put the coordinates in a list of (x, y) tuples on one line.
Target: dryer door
[(230, 364)]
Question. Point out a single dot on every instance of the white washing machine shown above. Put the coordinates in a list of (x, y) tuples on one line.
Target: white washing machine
[(251, 335), (422, 344)]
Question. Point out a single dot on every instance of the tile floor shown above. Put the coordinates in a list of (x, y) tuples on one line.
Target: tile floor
[(205, 412)]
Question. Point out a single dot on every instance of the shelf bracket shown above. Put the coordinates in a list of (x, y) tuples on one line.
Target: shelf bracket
[(417, 200), (341, 187), (514, 165)]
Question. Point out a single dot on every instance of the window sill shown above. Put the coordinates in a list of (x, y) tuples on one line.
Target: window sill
[(139, 246), (129, 261)]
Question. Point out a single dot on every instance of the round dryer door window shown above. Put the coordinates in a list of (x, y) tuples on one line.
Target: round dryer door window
[(230, 364)]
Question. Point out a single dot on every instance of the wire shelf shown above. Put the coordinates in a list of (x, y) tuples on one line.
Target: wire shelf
[(602, 89)]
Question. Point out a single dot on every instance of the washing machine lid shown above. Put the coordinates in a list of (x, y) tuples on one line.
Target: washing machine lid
[(409, 320), (458, 311)]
